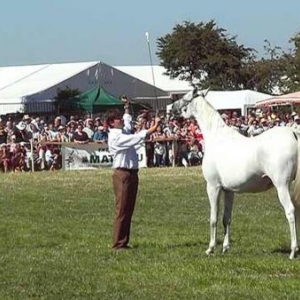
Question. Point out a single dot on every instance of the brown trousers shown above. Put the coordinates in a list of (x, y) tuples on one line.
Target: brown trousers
[(125, 184)]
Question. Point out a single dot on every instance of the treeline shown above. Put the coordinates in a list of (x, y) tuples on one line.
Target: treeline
[(207, 56)]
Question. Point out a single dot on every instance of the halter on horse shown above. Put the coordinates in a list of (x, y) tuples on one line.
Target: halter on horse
[(234, 163)]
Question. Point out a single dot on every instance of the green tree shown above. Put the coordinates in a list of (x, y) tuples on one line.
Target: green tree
[(62, 95), (265, 74), (205, 54), (291, 60)]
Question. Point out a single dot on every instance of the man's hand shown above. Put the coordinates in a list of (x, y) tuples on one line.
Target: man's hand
[(125, 100), (157, 120)]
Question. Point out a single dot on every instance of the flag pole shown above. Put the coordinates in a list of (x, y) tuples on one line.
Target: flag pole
[(151, 63)]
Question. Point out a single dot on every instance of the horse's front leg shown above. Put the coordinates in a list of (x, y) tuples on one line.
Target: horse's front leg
[(213, 193), (228, 201)]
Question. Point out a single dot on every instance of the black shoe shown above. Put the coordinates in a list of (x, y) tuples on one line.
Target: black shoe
[(123, 248)]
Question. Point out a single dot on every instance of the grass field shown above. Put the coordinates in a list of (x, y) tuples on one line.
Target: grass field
[(56, 228)]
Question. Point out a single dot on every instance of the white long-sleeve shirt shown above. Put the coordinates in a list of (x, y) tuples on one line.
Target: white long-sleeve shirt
[(122, 147)]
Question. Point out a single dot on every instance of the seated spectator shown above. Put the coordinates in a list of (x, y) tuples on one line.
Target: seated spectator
[(254, 129), (35, 132), (194, 154), (100, 136), (89, 128), (22, 134), (264, 124), (80, 136), (276, 122), (56, 160), (70, 130), (97, 123), (62, 135)]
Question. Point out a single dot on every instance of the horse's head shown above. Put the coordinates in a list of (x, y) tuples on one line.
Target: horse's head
[(183, 107)]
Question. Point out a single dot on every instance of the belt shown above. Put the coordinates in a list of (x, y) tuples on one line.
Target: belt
[(127, 170)]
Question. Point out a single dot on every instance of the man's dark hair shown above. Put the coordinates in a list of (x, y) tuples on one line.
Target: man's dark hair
[(111, 115)]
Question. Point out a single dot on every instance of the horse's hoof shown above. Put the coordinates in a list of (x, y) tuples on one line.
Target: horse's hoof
[(225, 249), (294, 253), (209, 251), (292, 256)]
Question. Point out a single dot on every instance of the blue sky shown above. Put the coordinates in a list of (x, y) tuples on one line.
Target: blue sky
[(40, 31)]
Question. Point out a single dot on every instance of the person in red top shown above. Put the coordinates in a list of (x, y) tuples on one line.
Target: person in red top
[(192, 126), (198, 134)]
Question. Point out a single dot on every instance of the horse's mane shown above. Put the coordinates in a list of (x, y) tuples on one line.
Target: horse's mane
[(209, 117)]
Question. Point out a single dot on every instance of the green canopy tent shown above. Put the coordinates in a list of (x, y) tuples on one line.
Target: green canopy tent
[(96, 100)]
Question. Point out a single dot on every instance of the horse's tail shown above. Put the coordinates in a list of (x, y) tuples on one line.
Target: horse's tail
[(296, 198)]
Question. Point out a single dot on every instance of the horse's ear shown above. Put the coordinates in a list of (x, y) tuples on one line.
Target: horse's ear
[(195, 92), (204, 93)]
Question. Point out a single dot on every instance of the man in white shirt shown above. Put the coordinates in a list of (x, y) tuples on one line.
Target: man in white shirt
[(122, 146)]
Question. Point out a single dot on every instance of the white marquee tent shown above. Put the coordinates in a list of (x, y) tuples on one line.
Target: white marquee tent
[(161, 80), (37, 85), (33, 88)]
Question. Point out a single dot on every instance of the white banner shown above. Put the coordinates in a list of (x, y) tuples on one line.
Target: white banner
[(93, 156)]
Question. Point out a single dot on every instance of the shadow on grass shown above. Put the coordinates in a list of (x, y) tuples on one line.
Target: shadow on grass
[(284, 250), (185, 244), (195, 244)]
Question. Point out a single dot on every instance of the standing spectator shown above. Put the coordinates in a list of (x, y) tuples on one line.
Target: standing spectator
[(3, 134), (9, 129), (125, 176), (49, 156), (4, 157), (159, 153), (27, 121), (18, 159), (56, 124), (41, 150), (296, 125)]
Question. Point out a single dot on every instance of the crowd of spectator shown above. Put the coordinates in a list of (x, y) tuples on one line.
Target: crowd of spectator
[(47, 134)]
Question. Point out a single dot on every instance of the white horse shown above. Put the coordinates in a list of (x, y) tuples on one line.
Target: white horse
[(235, 163)]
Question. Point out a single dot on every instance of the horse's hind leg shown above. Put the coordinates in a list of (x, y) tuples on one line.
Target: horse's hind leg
[(213, 193), (228, 201), (286, 202)]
